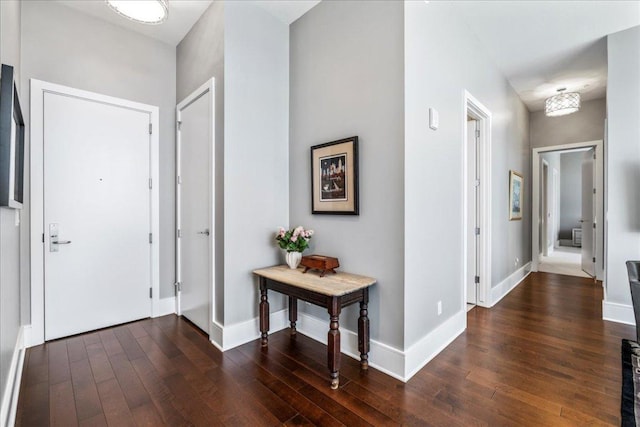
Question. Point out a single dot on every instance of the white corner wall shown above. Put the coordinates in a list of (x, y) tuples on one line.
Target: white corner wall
[(256, 152), (442, 60), (622, 171)]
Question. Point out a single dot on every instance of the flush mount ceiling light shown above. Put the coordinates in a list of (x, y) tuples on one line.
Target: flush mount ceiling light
[(143, 11), (562, 103)]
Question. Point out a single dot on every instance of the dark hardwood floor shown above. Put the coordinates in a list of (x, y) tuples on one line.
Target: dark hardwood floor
[(542, 356)]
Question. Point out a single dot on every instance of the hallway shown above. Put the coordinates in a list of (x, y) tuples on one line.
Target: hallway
[(563, 260), (542, 356)]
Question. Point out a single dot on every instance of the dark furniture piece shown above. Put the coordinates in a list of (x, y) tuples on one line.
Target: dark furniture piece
[(320, 262), (633, 268), (332, 292)]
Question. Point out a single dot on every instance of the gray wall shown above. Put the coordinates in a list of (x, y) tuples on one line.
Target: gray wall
[(256, 158), (63, 46), (10, 250), (199, 57), (571, 192), (622, 161), (347, 79), (442, 59), (585, 125)]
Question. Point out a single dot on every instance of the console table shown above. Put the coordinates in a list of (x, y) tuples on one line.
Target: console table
[(331, 292)]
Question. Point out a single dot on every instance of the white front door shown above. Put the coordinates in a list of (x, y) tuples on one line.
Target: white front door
[(588, 202), (97, 207), (195, 243)]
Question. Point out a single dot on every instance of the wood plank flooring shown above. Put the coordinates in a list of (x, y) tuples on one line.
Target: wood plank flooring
[(541, 357)]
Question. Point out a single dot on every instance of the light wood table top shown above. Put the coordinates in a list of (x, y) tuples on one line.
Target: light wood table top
[(331, 284)]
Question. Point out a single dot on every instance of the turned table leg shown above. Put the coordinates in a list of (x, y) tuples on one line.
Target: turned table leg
[(293, 314), (333, 342), (264, 312), (363, 331)]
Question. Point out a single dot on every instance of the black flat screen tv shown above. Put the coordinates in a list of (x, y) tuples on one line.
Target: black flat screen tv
[(11, 142)]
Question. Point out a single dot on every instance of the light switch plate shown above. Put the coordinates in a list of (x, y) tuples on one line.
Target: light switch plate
[(434, 118)]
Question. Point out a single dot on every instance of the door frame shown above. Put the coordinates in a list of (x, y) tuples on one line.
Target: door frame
[(545, 207), (599, 212), (36, 129), (476, 110), (555, 207), (207, 87)]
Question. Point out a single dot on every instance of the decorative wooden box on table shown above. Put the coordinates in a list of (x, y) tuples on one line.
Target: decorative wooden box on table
[(331, 292), (319, 262)]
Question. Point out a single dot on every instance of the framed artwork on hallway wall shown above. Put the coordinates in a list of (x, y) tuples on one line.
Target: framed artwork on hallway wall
[(334, 177), (516, 183)]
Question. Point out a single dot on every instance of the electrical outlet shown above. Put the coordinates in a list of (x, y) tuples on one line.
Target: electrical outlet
[(517, 261), (439, 308)]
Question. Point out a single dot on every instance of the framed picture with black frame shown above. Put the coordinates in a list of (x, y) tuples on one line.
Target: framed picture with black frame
[(334, 177), (11, 141)]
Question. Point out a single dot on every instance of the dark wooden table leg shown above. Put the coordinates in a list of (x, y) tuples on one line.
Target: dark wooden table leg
[(363, 331), (264, 312), (293, 314), (333, 342)]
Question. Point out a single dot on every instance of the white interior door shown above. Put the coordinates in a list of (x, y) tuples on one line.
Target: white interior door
[(97, 206), (588, 203), (473, 220), (195, 243)]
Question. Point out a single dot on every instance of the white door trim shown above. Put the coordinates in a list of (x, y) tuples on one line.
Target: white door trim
[(207, 87), (599, 213), (38, 88), (545, 232), (475, 109)]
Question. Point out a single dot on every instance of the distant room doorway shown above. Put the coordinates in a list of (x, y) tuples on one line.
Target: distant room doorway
[(567, 234)]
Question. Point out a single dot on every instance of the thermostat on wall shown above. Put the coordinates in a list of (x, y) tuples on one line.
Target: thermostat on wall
[(434, 118)]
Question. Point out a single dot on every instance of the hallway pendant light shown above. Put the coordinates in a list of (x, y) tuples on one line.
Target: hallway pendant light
[(562, 103), (143, 11)]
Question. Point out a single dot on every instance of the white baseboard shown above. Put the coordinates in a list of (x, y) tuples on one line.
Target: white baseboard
[(621, 313), (420, 353), (228, 337), (12, 388), (507, 285), (166, 306), (381, 356), (399, 364)]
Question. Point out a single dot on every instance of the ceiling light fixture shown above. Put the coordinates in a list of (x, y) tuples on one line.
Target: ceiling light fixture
[(562, 104), (143, 11)]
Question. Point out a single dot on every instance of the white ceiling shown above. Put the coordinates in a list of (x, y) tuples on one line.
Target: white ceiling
[(544, 45), (539, 45), (287, 10), (182, 15)]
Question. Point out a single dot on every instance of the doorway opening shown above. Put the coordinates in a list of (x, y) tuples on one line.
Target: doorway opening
[(476, 204), (568, 206)]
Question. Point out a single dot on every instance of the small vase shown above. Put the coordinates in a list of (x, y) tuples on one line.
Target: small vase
[(293, 259)]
